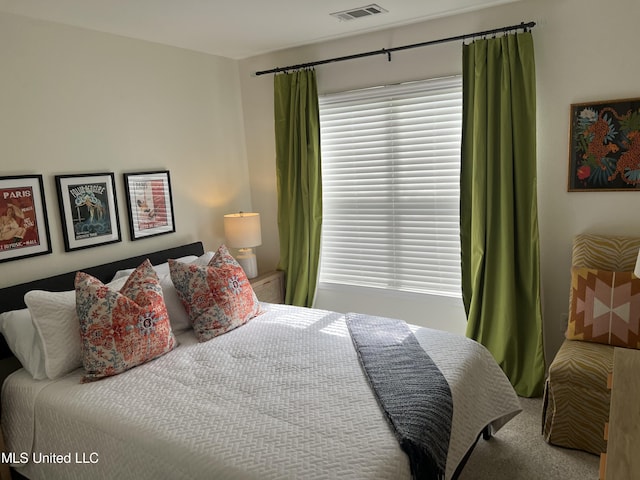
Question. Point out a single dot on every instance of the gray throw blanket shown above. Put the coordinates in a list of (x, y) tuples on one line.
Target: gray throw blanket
[(410, 389)]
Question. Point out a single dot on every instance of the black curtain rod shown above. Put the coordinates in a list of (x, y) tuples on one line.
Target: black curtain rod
[(388, 51)]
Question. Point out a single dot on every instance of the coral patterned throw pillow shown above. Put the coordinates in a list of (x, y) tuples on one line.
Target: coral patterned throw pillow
[(121, 329), (217, 297)]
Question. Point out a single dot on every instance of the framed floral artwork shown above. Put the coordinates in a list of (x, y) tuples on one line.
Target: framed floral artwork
[(150, 204), (88, 210), (24, 231), (604, 146)]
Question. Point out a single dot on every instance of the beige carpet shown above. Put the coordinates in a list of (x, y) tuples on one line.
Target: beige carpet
[(518, 451)]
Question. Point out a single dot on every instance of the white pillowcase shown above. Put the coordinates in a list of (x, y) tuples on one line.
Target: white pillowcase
[(203, 259), (161, 269), (58, 328), (177, 314), (22, 338)]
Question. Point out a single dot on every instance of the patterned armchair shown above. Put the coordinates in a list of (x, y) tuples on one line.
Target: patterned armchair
[(576, 397)]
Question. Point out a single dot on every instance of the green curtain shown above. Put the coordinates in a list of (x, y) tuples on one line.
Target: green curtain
[(297, 132), (498, 207)]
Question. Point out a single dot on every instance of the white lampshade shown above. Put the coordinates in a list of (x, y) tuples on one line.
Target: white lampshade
[(636, 271), (242, 231)]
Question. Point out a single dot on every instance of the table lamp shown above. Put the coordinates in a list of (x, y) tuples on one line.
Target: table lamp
[(242, 231)]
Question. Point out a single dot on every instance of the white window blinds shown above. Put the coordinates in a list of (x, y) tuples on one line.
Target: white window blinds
[(390, 179)]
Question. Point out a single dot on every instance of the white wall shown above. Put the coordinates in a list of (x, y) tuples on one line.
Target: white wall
[(77, 101), (585, 51)]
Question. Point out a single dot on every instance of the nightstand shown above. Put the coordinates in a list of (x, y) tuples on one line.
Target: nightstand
[(269, 287)]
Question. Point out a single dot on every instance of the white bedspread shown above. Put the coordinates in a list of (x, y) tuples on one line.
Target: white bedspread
[(281, 397)]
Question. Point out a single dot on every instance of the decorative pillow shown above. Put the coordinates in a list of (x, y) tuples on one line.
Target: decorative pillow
[(605, 307), (122, 329), (21, 336), (217, 297), (56, 322)]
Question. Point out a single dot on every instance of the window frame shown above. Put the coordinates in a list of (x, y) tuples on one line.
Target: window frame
[(400, 94)]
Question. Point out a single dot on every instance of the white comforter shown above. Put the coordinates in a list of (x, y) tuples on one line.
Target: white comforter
[(281, 397)]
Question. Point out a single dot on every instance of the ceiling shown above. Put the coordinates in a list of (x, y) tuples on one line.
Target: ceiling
[(238, 28)]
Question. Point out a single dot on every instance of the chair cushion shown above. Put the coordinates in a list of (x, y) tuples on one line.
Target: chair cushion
[(583, 364)]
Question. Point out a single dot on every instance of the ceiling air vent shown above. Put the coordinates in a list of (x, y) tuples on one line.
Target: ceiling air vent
[(359, 12)]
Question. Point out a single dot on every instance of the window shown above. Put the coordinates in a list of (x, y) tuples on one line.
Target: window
[(391, 175)]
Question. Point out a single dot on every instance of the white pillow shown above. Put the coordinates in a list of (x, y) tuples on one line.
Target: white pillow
[(203, 259), (58, 328), (161, 269), (177, 314), (22, 338)]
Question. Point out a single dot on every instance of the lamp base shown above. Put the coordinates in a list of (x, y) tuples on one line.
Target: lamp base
[(247, 260)]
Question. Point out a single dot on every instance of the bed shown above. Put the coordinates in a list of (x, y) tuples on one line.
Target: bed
[(284, 395)]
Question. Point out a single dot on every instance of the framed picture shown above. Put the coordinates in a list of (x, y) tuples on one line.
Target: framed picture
[(88, 210), (604, 146), (150, 205), (24, 231)]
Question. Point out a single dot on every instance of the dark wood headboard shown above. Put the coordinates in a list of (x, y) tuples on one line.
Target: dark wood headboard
[(12, 298)]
